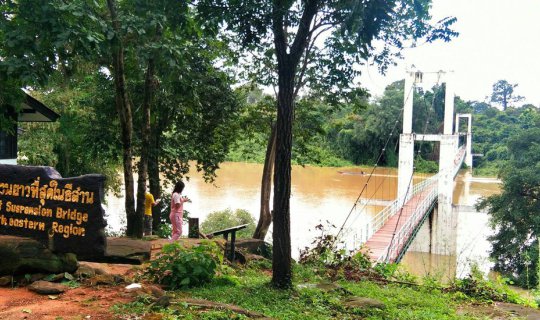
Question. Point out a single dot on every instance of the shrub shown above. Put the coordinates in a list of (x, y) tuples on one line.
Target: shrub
[(476, 287), (224, 219), (179, 267), (164, 231)]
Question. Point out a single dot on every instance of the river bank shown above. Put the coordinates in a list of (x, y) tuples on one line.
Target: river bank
[(242, 292)]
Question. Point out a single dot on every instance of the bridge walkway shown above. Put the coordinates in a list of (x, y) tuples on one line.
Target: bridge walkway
[(381, 242)]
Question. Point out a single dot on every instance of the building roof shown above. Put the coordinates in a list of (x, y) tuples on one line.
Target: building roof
[(35, 111)]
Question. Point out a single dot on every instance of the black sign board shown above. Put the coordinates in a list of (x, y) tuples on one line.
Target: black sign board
[(65, 214)]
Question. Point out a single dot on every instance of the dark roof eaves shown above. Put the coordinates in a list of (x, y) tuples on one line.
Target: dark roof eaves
[(41, 108)]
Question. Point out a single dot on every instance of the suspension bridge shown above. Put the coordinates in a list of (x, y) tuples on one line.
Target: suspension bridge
[(387, 235)]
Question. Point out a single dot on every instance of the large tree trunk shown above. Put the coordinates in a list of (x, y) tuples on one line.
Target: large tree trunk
[(265, 215), (288, 58), (145, 146), (281, 236), (123, 107)]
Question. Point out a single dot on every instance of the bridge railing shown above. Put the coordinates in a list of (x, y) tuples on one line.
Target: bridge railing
[(402, 235), (458, 161), (364, 232)]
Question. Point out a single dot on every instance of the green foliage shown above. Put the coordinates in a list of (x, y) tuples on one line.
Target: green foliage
[(178, 267), (476, 287), (329, 260), (503, 94), (164, 231), (248, 288), (492, 131), (85, 138), (325, 250), (219, 220), (425, 166), (514, 213), (36, 144), (309, 132)]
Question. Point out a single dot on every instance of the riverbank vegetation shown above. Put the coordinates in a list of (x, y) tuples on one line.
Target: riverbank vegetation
[(327, 285), (514, 212)]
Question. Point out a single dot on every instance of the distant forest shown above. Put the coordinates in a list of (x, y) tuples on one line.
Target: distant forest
[(354, 133)]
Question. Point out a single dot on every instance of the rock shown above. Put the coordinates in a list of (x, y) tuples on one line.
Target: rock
[(25, 255), (126, 251), (255, 257), (6, 281), (55, 277), (255, 246), (106, 279), (163, 301), (85, 271), (36, 276), (135, 290), (45, 287), (327, 287), (103, 279), (155, 291), (363, 303)]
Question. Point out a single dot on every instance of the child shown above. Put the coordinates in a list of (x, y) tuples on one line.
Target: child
[(177, 210), (149, 202)]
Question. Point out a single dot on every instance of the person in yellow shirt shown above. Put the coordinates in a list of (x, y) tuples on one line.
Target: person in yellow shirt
[(149, 202)]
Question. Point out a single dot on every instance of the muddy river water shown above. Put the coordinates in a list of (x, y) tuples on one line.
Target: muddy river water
[(327, 195)]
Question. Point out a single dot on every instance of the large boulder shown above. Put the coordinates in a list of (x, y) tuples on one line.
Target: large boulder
[(25, 255)]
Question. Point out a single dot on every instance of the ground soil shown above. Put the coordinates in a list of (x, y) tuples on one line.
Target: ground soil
[(79, 303), (85, 302)]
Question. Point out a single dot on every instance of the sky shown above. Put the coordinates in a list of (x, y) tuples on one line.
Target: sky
[(499, 39)]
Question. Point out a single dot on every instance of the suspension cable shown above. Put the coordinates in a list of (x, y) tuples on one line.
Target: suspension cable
[(376, 164)]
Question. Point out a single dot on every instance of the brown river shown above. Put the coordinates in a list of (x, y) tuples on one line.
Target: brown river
[(327, 195)]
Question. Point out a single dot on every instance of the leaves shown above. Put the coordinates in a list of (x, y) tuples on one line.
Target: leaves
[(514, 213), (178, 267)]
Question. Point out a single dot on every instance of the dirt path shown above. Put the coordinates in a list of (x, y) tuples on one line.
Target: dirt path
[(79, 303)]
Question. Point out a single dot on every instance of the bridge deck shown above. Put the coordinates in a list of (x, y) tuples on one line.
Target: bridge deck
[(378, 243)]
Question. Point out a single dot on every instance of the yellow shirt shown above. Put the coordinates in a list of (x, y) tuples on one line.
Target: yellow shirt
[(148, 202)]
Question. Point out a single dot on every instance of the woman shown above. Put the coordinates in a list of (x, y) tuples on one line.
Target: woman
[(177, 210)]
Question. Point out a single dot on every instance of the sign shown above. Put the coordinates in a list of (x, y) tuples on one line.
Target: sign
[(65, 214)]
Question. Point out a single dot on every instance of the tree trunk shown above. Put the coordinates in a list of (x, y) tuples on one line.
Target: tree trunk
[(145, 146), (288, 58), (265, 216), (153, 174), (281, 236), (123, 108)]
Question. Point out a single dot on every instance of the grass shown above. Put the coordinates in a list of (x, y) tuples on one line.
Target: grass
[(324, 281), (254, 293), (249, 289)]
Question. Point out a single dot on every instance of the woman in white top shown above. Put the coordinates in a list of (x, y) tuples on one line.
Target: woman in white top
[(177, 210)]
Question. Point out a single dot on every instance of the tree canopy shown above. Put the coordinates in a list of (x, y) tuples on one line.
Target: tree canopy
[(503, 94), (515, 213)]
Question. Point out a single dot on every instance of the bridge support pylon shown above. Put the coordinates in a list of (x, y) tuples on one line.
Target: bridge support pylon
[(406, 140)]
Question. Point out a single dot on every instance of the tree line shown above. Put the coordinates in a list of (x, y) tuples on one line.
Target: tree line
[(150, 82)]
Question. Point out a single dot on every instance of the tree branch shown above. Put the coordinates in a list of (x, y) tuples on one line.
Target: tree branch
[(301, 39), (300, 83)]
